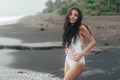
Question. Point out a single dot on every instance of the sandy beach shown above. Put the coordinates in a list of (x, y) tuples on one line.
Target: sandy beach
[(102, 62)]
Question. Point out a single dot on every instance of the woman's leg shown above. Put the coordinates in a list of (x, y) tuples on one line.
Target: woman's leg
[(66, 67), (74, 71)]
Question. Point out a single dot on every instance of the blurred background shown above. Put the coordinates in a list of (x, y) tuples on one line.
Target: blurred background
[(31, 39)]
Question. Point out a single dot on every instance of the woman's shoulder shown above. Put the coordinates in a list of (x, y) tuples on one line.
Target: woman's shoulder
[(83, 27)]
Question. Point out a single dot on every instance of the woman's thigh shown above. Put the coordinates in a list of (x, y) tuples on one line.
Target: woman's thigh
[(66, 67), (74, 72)]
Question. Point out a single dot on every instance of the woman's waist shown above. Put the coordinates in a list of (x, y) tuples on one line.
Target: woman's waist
[(72, 53), (71, 57)]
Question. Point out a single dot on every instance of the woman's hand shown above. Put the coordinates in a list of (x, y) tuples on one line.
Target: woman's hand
[(77, 56)]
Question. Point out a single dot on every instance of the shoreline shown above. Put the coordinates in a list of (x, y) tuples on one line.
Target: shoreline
[(18, 74)]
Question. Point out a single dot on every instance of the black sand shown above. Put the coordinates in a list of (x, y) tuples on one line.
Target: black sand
[(104, 65)]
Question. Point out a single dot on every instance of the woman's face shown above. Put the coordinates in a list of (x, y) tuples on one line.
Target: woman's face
[(73, 16)]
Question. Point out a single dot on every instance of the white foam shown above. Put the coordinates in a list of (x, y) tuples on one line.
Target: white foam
[(4, 20), (93, 72), (9, 41), (20, 74)]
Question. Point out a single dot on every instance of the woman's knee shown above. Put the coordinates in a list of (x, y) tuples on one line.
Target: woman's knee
[(69, 75), (66, 77)]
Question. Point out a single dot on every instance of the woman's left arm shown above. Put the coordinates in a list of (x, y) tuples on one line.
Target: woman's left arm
[(90, 38)]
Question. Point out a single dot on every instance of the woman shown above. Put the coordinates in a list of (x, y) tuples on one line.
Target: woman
[(73, 36)]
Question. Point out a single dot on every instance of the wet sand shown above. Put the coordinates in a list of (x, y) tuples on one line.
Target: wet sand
[(50, 61)]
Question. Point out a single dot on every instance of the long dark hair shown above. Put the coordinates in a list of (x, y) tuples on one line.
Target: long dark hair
[(70, 31)]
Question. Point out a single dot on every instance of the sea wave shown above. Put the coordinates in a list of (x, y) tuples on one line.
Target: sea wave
[(4, 20)]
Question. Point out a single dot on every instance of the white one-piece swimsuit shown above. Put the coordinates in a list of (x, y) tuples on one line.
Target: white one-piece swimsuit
[(74, 48)]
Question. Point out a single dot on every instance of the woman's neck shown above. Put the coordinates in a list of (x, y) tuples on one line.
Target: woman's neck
[(72, 24)]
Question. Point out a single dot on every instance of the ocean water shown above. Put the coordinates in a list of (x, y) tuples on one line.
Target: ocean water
[(5, 20)]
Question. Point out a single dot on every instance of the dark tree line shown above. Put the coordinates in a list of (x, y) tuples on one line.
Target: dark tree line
[(88, 6)]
